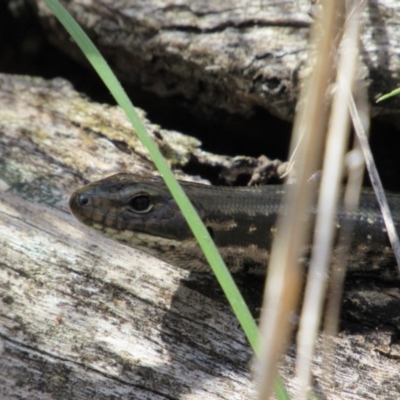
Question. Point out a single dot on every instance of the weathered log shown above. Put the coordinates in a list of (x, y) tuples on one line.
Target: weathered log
[(234, 55), (82, 316)]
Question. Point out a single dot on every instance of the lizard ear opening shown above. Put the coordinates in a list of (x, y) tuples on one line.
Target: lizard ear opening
[(140, 204)]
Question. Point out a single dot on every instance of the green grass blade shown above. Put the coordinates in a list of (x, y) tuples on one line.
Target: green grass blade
[(199, 230), (389, 95)]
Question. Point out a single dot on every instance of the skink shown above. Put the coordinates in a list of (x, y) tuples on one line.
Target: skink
[(142, 214)]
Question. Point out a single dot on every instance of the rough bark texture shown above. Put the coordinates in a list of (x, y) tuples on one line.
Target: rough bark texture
[(235, 55), (84, 317)]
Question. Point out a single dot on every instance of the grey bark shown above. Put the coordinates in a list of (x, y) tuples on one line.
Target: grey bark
[(232, 55), (83, 317)]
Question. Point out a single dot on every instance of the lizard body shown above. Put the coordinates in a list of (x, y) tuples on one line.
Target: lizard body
[(142, 214)]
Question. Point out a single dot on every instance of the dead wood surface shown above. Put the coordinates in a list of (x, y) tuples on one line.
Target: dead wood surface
[(84, 317), (81, 316), (235, 55)]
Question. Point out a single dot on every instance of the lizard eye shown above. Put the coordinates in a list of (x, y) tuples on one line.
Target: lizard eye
[(140, 204)]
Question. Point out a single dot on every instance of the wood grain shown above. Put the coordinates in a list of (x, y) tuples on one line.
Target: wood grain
[(84, 317)]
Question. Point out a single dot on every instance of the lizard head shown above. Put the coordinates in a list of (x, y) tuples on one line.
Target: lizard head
[(123, 205)]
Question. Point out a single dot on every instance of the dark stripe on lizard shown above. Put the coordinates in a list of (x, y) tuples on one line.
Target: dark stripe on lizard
[(141, 213)]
